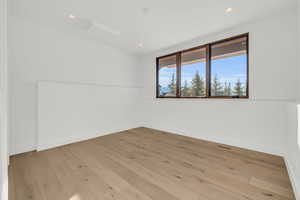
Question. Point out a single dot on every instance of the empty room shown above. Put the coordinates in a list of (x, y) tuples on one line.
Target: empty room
[(150, 100)]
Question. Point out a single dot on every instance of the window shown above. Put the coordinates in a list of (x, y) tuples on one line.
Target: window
[(215, 70), (167, 83), (193, 73), (229, 68)]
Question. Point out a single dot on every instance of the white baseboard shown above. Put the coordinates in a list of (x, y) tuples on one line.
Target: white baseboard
[(21, 150), (292, 174), (228, 141), (42, 147)]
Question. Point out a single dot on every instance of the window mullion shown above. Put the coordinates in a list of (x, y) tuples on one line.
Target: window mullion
[(178, 72), (208, 70)]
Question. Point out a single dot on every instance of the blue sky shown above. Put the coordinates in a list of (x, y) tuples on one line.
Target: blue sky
[(230, 69), (227, 69)]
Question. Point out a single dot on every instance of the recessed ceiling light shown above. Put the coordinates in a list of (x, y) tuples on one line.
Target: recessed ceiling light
[(141, 45), (71, 16), (228, 10)]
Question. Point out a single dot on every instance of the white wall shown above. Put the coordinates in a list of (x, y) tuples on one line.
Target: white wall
[(70, 112), (3, 103), (293, 133), (258, 123), (292, 156), (44, 53)]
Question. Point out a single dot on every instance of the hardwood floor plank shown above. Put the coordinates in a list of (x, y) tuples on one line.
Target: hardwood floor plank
[(214, 149), (221, 156), (46, 178), (287, 192), (74, 185), (200, 187), (130, 176), (26, 186), (191, 174), (148, 164), (11, 183), (276, 160), (115, 181), (237, 170)]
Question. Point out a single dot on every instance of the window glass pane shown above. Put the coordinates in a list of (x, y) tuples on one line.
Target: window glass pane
[(193, 73), (167, 76), (229, 68)]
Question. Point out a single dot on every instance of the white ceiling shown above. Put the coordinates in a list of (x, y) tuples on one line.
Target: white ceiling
[(122, 23)]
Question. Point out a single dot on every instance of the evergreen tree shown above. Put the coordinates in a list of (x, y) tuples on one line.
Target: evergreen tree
[(185, 89), (217, 89), (198, 85), (172, 85), (227, 89), (238, 88)]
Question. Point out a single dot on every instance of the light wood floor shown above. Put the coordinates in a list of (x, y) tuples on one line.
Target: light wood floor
[(146, 164)]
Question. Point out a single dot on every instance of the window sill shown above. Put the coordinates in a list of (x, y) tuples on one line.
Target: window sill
[(213, 97)]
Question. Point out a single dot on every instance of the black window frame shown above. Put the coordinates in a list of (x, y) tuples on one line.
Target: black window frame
[(208, 70)]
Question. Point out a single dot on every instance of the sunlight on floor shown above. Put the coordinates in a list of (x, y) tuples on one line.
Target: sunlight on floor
[(75, 197)]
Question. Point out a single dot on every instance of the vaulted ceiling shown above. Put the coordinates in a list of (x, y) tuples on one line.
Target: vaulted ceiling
[(141, 26)]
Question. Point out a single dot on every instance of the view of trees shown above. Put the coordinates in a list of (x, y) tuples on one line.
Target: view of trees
[(172, 86), (238, 88), (197, 87), (227, 65)]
